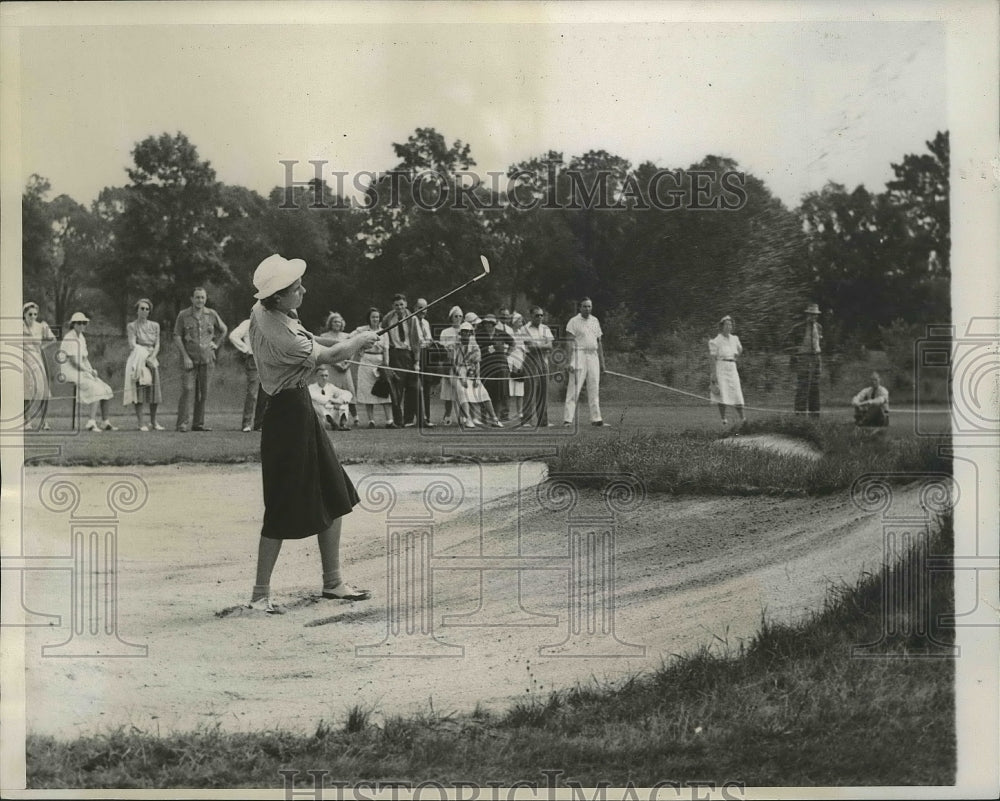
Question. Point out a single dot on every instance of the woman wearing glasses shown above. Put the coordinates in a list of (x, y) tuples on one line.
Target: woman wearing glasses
[(37, 335), (75, 367), (142, 370)]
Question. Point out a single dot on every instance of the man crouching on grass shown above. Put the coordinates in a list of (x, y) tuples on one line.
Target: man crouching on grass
[(871, 404)]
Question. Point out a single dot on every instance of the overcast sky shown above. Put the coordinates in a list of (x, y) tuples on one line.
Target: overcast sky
[(796, 104)]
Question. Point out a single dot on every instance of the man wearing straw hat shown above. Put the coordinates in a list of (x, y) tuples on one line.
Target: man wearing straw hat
[(805, 342)]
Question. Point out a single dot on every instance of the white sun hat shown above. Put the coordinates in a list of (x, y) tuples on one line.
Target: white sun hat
[(275, 273)]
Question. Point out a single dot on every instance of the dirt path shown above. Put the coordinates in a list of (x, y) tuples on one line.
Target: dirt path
[(686, 572)]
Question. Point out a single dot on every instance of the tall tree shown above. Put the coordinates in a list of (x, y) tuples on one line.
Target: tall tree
[(426, 227), (169, 232)]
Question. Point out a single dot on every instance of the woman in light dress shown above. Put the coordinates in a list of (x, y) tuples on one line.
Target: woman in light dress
[(474, 401), (142, 370), (449, 339), (374, 359), (37, 337), (75, 368), (515, 360), (340, 373), (725, 387)]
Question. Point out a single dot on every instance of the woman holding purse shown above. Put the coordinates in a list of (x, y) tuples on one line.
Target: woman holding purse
[(142, 370)]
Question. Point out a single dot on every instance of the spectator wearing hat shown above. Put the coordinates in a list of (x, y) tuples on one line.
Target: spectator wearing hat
[(871, 404), (515, 361), (77, 369), (586, 363), (494, 345), (198, 333), (142, 369), (724, 382), (466, 365), (805, 342), (306, 491), (538, 345), (449, 340), (37, 336)]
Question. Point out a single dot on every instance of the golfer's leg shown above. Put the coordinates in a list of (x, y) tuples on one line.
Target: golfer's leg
[(267, 555), (329, 554)]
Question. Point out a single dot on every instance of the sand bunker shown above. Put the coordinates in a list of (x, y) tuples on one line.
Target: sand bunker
[(499, 620), (787, 446)]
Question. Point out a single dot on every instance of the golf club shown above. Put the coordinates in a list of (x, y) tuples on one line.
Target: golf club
[(485, 272)]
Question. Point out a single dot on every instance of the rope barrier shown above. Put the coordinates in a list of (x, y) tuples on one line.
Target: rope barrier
[(760, 408)]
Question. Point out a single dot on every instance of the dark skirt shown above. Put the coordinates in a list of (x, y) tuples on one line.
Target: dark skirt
[(305, 488)]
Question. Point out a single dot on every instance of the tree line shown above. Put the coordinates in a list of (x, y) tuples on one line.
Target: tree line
[(659, 249)]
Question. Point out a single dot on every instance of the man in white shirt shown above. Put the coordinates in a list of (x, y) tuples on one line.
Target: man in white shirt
[(586, 363), (331, 403), (871, 404), (538, 345), (255, 399)]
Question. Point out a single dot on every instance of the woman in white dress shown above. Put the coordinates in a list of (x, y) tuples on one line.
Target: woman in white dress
[(515, 360), (449, 339), (725, 387), (75, 367), (37, 336), (142, 370), (374, 359), (334, 330)]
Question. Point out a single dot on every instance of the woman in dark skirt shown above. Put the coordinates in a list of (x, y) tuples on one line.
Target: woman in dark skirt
[(306, 491)]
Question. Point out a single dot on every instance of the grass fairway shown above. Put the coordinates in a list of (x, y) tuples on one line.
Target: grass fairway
[(226, 444)]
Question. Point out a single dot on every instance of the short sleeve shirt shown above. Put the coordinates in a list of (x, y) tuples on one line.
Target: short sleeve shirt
[(198, 331), (586, 332), (284, 351)]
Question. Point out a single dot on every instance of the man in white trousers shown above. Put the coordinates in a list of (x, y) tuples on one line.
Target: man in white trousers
[(586, 363)]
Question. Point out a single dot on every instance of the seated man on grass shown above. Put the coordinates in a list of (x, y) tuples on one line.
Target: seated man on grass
[(871, 404), (331, 403)]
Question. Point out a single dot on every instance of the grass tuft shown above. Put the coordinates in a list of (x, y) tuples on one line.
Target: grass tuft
[(696, 462)]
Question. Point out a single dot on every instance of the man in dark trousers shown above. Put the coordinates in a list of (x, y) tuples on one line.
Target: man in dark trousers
[(494, 345), (198, 333), (538, 344), (805, 341), (402, 380)]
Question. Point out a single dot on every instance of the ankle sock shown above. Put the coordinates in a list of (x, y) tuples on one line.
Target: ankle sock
[(331, 579)]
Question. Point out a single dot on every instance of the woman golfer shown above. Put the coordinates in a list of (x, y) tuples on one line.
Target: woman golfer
[(306, 491)]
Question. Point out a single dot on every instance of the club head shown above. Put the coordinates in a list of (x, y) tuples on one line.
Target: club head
[(486, 264)]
